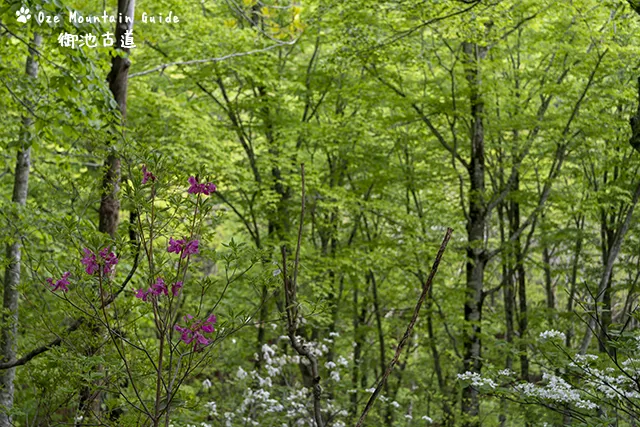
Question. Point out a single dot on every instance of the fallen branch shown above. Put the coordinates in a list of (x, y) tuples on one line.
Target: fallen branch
[(407, 334)]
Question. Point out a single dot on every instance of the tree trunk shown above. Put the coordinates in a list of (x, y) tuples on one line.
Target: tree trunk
[(606, 238), (508, 294), (383, 362), (109, 211), (548, 283), (521, 281), (476, 226), (117, 79), (9, 335), (573, 280)]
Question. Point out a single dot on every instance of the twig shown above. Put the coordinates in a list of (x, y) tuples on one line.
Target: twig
[(207, 60), (407, 334), (290, 289)]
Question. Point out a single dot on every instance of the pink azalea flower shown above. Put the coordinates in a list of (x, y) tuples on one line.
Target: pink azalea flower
[(175, 245), (190, 248), (201, 339), (194, 331), (146, 175), (61, 284), (90, 262), (159, 288), (110, 260), (210, 187), (142, 294), (175, 288), (197, 188), (183, 247)]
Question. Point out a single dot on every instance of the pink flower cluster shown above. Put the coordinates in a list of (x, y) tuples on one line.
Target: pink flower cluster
[(197, 188), (61, 284), (183, 247), (158, 288), (194, 330), (107, 260), (146, 175)]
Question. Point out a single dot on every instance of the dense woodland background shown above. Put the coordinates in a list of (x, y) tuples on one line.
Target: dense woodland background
[(512, 122)]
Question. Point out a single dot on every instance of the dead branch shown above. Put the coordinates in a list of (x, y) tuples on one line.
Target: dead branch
[(407, 334)]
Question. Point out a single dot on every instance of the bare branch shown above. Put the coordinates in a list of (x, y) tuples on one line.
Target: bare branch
[(162, 67), (407, 334)]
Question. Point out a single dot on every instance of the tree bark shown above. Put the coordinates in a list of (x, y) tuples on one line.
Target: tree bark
[(476, 227), (573, 280), (109, 211), (117, 78), (9, 335)]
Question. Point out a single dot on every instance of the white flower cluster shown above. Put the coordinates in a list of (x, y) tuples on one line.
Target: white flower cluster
[(476, 380), (552, 333), (273, 394), (212, 407), (611, 386), (270, 397), (583, 359), (556, 390)]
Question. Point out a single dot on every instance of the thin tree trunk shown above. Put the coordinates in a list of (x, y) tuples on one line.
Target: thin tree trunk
[(548, 282), (508, 294), (358, 379), (607, 236), (449, 418), (573, 280), (383, 362), (9, 335)]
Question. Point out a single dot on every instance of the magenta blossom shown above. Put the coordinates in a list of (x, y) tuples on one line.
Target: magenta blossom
[(175, 288), (146, 175), (110, 260), (142, 294), (190, 248), (158, 288), (61, 284), (182, 247), (175, 245), (197, 188), (92, 263), (194, 331)]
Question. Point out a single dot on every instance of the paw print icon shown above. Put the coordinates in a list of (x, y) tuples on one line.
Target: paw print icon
[(23, 15)]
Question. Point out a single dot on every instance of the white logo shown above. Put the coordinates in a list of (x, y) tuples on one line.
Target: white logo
[(23, 15)]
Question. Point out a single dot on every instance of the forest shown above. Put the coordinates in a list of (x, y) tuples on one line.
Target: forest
[(329, 213)]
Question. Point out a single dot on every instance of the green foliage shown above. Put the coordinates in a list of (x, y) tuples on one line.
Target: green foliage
[(375, 99)]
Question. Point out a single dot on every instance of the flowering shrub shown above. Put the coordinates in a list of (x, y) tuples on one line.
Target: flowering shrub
[(170, 342), (586, 389)]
